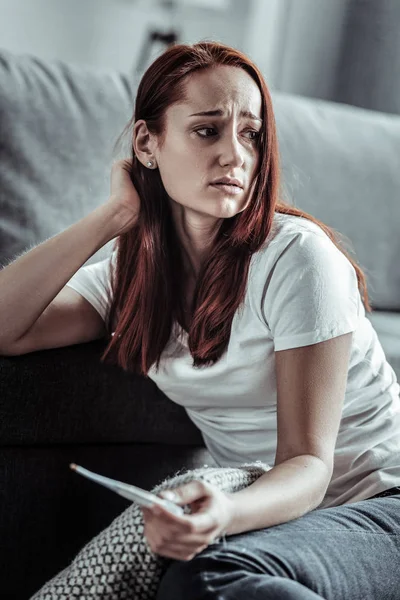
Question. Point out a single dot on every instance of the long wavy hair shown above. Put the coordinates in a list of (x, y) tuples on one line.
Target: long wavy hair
[(147, 283)]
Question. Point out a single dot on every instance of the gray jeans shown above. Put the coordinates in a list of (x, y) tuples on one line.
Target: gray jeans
[(347, 552)]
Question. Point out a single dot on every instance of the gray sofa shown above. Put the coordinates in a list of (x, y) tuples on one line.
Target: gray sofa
[(58, 124)]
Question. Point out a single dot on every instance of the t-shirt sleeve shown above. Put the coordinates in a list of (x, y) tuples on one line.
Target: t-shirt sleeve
[(93, 282), (311, 293)]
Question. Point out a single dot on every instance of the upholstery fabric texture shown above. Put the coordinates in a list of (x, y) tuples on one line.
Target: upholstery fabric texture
[(58, 127)]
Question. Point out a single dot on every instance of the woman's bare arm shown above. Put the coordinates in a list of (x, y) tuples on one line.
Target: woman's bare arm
[(30, 283)]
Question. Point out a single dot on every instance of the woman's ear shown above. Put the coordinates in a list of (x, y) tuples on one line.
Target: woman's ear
[(144, 144)]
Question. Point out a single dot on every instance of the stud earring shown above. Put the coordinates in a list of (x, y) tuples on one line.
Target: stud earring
[(150, 163)]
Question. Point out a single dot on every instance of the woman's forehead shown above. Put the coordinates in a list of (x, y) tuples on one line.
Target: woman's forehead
[(219, 90)]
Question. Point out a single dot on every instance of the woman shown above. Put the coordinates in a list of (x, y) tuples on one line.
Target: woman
[(248, 313)]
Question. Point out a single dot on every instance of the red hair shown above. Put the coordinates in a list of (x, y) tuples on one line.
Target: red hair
[(148, 286)]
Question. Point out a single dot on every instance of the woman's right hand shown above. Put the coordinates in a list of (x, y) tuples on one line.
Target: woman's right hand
[(123, 196)]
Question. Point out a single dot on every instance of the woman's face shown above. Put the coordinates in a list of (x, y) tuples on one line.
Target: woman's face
[(197, 150)]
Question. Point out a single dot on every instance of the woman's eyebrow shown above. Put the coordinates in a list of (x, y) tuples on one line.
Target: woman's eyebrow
[(219, 113)]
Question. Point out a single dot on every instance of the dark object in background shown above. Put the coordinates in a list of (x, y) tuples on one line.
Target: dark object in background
[(153, 37)]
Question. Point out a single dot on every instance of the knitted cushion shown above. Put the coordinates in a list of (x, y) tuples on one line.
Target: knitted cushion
[(118, 564)]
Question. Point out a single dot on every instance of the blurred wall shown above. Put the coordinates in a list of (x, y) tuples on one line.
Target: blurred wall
[(301, 46), (108, 33), (340, 50)]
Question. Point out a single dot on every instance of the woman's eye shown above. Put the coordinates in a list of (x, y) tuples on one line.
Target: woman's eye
[(255, 134), (204, 129)]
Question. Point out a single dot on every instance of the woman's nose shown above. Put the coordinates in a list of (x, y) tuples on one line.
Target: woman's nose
[(231, 151)]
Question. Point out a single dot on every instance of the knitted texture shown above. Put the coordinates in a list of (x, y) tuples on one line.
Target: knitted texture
[(118, 564)]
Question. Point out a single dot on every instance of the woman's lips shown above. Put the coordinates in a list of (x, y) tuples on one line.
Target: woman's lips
[(227, 188)]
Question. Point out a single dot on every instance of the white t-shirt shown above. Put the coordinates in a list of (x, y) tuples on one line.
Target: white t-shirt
[(301, 290)]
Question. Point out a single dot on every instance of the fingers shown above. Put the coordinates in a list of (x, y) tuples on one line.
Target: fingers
[(121, 162), (126, 164), (178, 551), (179, 525), (121, 165), (185, 546), (174, 540)]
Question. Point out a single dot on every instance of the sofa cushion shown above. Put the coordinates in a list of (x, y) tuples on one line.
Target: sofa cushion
[(387, 327), (67, 396), (341, 164), (58, 126)]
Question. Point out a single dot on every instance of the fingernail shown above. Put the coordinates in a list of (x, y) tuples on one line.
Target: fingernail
[(170, 496)]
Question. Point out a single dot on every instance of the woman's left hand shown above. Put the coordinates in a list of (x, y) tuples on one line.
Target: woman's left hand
[(182, 537)]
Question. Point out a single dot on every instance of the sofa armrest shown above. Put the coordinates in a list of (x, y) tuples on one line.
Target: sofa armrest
[(66, 395)]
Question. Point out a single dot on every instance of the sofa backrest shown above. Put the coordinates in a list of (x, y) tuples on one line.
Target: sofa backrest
[(58, 125), (342, 164)]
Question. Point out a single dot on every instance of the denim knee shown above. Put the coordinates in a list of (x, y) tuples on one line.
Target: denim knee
[(183, 580), (191, 581)]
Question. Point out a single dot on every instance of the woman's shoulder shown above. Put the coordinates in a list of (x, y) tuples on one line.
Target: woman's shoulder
[(286, 227), (286, 223), (299, 243)]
